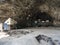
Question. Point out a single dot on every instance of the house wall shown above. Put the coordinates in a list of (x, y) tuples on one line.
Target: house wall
[(1, 27)]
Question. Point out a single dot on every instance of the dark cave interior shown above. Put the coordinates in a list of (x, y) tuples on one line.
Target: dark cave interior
[(33, 20), (43, 16)]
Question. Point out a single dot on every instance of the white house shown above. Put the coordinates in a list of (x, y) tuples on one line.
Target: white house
[(1, 27), (7, 24), (10, 21)]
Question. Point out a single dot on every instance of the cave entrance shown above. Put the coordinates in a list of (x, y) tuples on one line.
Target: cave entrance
[(37, 19), (42, 19), (43, 16)]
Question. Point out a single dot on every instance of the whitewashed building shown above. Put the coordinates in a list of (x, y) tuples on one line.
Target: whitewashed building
[(8, 24), (1, 27)]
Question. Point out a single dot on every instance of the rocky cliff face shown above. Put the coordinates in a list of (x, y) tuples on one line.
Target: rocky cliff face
[(6, 10), (21, 9), (49, 6)]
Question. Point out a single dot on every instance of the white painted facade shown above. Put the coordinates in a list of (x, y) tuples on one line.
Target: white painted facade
[(10, 21), (1, 27), (7, 24)]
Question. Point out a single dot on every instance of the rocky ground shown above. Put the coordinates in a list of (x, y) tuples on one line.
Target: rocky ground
[(32, 36)]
